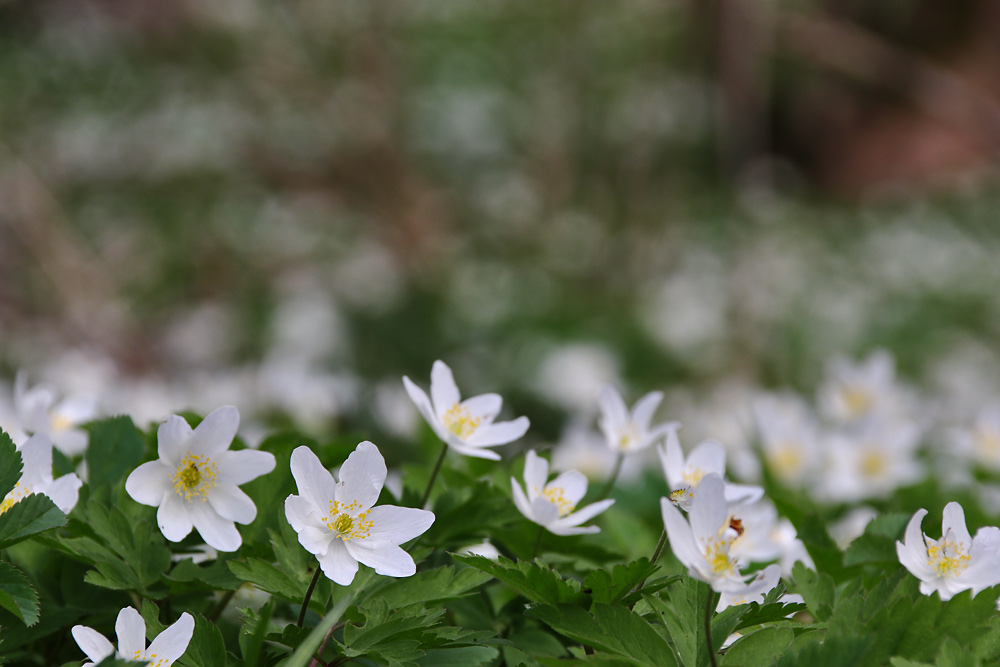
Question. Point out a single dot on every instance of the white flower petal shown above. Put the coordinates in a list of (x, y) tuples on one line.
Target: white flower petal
[(218, 533), (642, 414), (672, 460), (423, 404), (614, 412), (64, 492), (314, 482), (912, 551), (709, 457), (170, 644), (709, 509), (131, 631), (485, 406), (362, 476), (953, 520), (300, 512), (173, 518), (573, 484), (398, 524), (742, 494), (71, 442), (36, 456), (444, 391), (232, 504), (172, 438), (477, 452), (500, 433), (536, 471), (338, 564), (544, 511), (244, 465), (557, 529), (216, 431), (317, 541), (385, 558), (679, 534), (149, 483), (521, 500), (93, 644), (584, 514)]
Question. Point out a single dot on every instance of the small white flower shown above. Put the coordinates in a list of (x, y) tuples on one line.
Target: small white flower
[(789, 438), (627, 431), (168, 646), (685, 475), (466, 426), (39, 413), (981, 443), (705, 545), (195, 481), (855, 391), (336, 521), (36, 477), (552, 505), (957, 561), (871, 461), (753, 591)]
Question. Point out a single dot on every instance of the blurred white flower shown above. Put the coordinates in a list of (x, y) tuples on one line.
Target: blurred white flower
[(195, 481), (40, 413), (752, 591), (572, 375), (954, 563), (871, 461), (789, 438), (684, 475), (627, 431), (337, 523), (981, 442), (764, 537), (484, 549), (36, 477), (168, 646), (581, 448), (855, 391), (851, 526), (552, 504), (465, 426)]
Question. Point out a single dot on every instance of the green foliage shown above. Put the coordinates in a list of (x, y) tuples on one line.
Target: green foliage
[(10, 464), (532, 579), (116, 449), (16, 594), (27, 517)]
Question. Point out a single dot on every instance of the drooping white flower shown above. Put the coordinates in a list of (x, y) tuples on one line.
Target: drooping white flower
[(39, 412), (704, 545), (36, 477), (753, 591), (957, 561), (336, 521), (552, 504), (168, 646), (629, 431), (466, 426), (684, 475), (195, 481)]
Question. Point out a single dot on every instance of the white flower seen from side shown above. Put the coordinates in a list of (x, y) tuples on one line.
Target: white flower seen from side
[(552, 505), (195, 481), (36, 477), (465, 426), (168, 646), (753, 591), (855, 391), (954, 563), (337, 523), (789, 439), (40, 412), (684, 475), (628, 431)]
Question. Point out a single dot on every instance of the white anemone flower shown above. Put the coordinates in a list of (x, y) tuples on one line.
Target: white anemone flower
[(168, 646), (551, 505), (684, 475), (871, 461), (337, 523), (957, 561), (789, 437), (39, 412), (855, 391), (628, 431), (704, 545), (754, 590), (465, 426), (195, 481), (36, 477)]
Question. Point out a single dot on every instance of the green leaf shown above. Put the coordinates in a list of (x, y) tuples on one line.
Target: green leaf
[(953, 655), (683, 616), (116, 448), (611, 587), (878, 543), (816, 589), (269, 578), (760, 648), (533, 580), (17, 595), (206, 647), (10, 464), (304, 653), (462, 656), (832, 652), (28, 517), (252, 639), (442, 583)]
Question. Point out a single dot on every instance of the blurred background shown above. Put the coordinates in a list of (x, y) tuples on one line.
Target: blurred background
[(286, 206)]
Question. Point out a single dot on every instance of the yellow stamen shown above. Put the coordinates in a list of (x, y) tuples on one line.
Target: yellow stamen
[(947, 557), (857, 400), (873, 464), (347, 522), (460, 422), (693, 475), (785, 460), (557, 496), (195, 477), (18, 493)]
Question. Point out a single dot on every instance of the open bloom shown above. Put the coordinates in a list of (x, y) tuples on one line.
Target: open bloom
[(685, 474), (855, 391), (195, 480), (466, 426), (40, 413), (627, 431), (753, 591), (36, 477), (705, 545), (552, 505), (168, 646), (337, 523), (957, 561)]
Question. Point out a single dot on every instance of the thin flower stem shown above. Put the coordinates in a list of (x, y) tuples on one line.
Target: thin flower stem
[(434, 474), (309, 592), (657, 552), (709, 608), (538, 542), (610, 484), (219, 608)]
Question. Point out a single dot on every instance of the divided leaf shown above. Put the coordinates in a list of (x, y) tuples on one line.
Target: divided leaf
[(16, 594)]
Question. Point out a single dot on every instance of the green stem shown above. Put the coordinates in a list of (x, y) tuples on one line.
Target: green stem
[(434, 474), (658, 551), (538, 542), (309, 592), (219, 608), (307, 649), (709, 608), (610, 484)]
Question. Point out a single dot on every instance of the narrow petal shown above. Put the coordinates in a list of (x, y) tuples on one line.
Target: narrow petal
[(215, 433), (709, 509), (742, 494), (398, 524), (573, 483), (241, 466), (299, 512), (642, 414), (536, 471), (953, 520), (338, 564), (679, 534), (614, 412), (64, 492), (584, 514), (149, 483), (385, 558), (131, 631), (314, 482), (501, 433), (218, 533), (36, 456), (709, 457), (521, 500), (444, 391), (232, 504), (173, 518), (172, 439), (477, 452), (672, 460), (362, 476), (93, 644), (423, 404), (557, 529), (912, 551), (170, 644), (484, 406)]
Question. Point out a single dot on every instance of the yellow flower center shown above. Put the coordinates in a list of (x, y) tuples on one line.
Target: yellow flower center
[(947, 557), (873, 464), (717, 555), (628, 437), (18, 493), (785, 460), (557, 496), (151, 658), (693, 475), (347, 525), (460, 422), (988, 444), (195, 477), (857, 400)]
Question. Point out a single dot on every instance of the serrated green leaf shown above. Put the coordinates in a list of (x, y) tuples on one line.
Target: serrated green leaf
[(268, 578), (252, 638), (533, 580), (30, 516), (610, 587), (463, 656), (832, 652), (206, 647), (682, 615), (816, 589), (116, 448), (760, 648), (10, 464), (952, 654), (16, 594), (442, 583)]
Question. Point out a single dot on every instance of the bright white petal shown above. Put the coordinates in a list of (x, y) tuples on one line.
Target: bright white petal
[(244, 465), (423, 404), (218, 533), (672, 460), (173, 518), (338, 564), (953, 520), (544, 511), (172, 439), (317, 541), (131, 631), (642, 414), (362, 476), (149, 483), (314, 482), (501, 433), (614, 412), (573, 483), (742, 494), (912, 551), (398, 524), (385, 558), (536, 471), (477, 452), (170, 644), (444, 391), (64, 492), (232, 504), (521, 500), (93, 644), (299, 512), (679, 534), (709, 457), (484, 406), (36, 456), (584, 514), (216, 432), (709, 509), (557, 529)]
